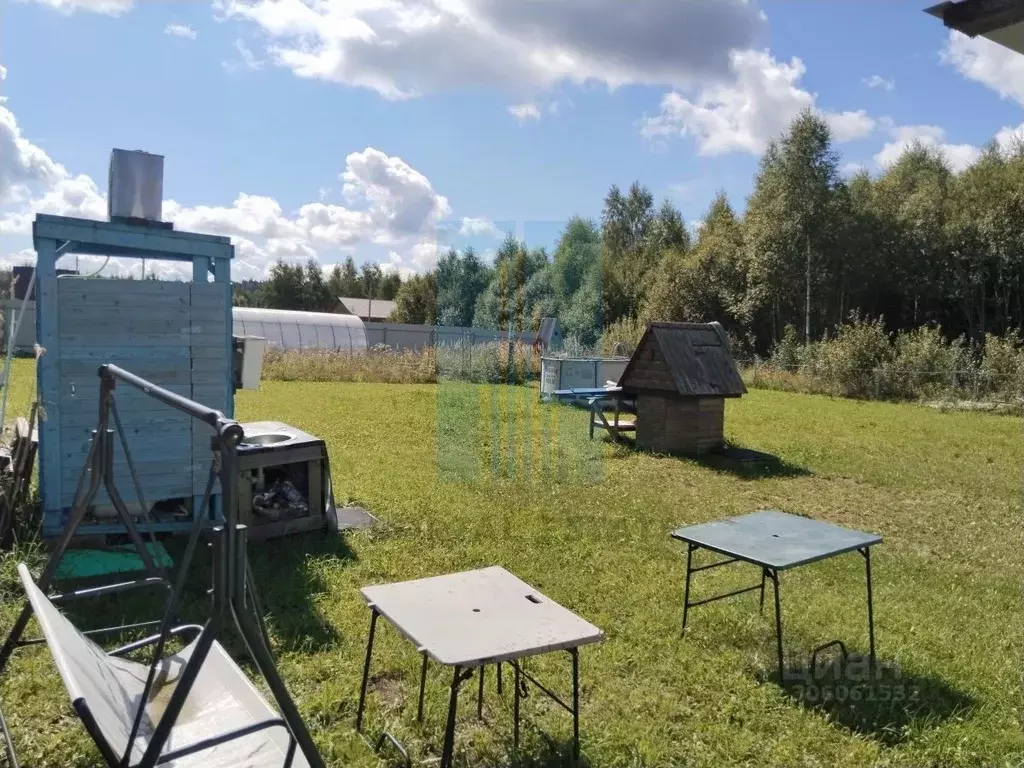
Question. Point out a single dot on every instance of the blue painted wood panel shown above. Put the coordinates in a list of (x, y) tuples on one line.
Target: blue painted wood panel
[(211, 351), (167, 310), (177, 335), (167, 446), (111, 321), (121, 239), (48, 380)]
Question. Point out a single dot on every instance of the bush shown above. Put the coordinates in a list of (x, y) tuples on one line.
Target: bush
[(788, 355), (924, 364), (491, 363), (621, 337), (853, 360), (793, 355), (863, 360), (1002, 365), (741, 346), (860, 360)]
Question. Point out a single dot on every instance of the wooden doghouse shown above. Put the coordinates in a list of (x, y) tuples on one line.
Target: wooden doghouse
[(681, 374)]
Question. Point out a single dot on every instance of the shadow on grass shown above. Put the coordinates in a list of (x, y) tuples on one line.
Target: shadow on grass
[(749, 464), (289, 576), (287, 573), (546, 752), (885, 706), (744, 463)]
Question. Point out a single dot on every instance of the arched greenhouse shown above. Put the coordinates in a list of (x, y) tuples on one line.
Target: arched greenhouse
[(288, 329)]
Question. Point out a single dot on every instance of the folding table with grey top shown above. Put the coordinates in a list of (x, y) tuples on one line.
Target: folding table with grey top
[(775, 541), (469, 620)]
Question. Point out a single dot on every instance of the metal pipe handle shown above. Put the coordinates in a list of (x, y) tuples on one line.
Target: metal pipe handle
[(226, 428)]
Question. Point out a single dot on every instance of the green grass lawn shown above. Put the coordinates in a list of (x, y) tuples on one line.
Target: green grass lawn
[(464, 476)]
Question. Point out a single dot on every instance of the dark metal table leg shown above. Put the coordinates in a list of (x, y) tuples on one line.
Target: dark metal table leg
[(686, 591), (871, 612), (774, 576), (423, 685), (575, 704), (480, 693), (366, 669), (516, 686), (499, 678), (764, 574), (449, 733)]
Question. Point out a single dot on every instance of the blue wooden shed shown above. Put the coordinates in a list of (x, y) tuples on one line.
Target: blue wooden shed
[(176, 334)]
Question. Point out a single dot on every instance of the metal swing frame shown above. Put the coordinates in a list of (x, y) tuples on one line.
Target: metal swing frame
[(234, 595)]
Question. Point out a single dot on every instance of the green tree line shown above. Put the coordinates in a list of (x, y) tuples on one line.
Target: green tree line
[(293, 286), (914, 245)]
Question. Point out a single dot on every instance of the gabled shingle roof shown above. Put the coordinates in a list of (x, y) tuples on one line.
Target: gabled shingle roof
[(696, 355)]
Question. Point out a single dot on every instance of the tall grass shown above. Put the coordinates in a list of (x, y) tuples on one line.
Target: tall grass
[(860, 360), (490, 363)]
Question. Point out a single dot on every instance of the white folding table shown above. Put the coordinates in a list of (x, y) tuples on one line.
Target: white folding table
[(471, 619)]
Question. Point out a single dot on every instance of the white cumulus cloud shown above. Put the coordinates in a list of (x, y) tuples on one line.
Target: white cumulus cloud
[(23, 165), (404, 48), (479, 227), (387, 202), (745, 114), (882, 83), (525, 112), (987, 63), (902, 137), (108, 7), (1010, 138), (850, 125), (180, 30)]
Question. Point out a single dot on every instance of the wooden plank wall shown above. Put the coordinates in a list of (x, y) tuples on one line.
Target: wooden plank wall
[(143, 326), (210, 370), (680, 425)]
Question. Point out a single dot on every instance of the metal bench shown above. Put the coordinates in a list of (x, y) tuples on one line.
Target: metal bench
[(190, 708), (612, 398), (225, 720)]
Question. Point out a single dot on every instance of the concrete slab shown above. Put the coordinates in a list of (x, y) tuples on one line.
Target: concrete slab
[(354, 518)]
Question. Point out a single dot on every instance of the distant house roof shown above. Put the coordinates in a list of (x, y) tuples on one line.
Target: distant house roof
[(362, 308), (1001, 21), (687, 359)]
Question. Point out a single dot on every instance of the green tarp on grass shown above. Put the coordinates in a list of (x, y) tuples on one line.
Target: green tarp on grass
[(87, 563)]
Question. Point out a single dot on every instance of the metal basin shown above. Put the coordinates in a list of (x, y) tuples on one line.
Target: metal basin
[(265, 439)]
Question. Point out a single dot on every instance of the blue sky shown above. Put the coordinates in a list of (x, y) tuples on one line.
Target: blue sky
[(336, 127)]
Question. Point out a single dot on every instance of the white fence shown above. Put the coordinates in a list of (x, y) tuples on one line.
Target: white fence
[(399, 336)]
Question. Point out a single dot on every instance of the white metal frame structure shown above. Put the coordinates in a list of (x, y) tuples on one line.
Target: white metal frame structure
[(289, 329)]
